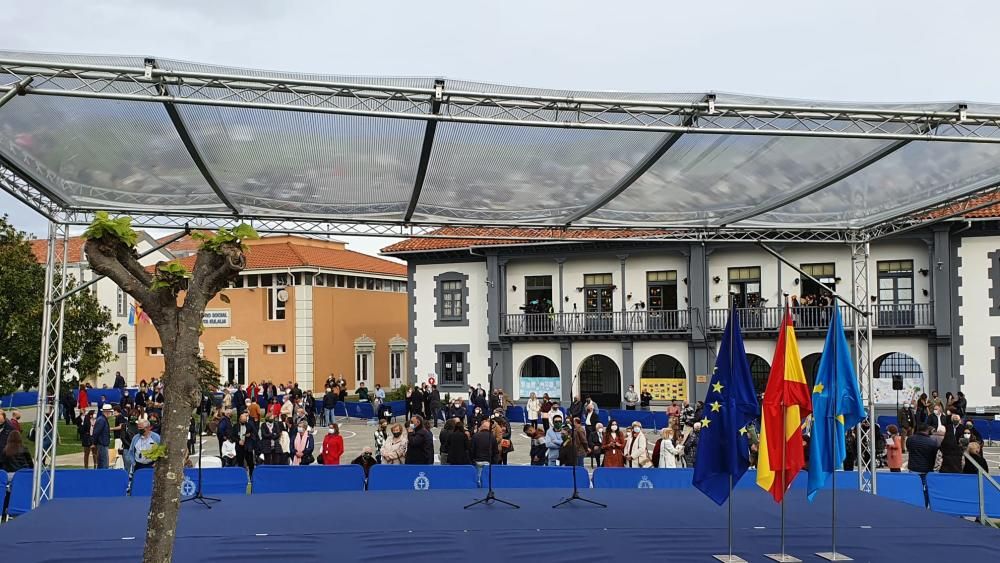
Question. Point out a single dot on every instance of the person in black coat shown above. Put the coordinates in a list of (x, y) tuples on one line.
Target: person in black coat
[(14, 456), (119, 381), (459, 446), (270, 441), (419, 443), (434, 404), (223, 430), (923, 451), (951, 452), (415, 403), (245, 434), (457, 409), (975, 452), (484, 447), (239, 400)]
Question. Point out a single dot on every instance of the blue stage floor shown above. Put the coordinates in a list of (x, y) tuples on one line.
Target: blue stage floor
[(646, 525)]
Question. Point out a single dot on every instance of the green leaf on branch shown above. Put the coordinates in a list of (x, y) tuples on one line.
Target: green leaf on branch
[(119, 228), (226, 237), (155, 452), (169, 275)]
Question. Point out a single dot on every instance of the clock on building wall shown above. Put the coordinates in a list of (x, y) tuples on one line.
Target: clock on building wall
[(282, 295)]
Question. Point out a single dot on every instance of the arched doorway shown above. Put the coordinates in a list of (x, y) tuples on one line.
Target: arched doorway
[(810, 366), (903, 366), (540, 375), (664, 377), (600, 378), (759, 370)]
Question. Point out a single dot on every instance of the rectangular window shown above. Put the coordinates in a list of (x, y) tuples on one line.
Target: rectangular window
[(370, 284), (661, 290), (378, 284), (252, 280), (451, 300), (744, 282), (362, 366), (266, 280), (275, 348), (895, 282), (395, 369), (122, 304), (825, 273), (402, 286), (155, 351), (297, 276), (276, 299), (349, 282), (596, 279), (453, 368), (239, 282)]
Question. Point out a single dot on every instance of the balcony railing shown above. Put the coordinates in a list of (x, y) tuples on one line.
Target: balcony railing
[(759, 319), (617, 322)]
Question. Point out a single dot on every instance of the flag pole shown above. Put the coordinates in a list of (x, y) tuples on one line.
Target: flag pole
[(783, 557), (833, 555), (730, 558)]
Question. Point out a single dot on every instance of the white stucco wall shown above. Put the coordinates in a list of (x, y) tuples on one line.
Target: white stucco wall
[(516, 272), (978, 327), (474, 335)]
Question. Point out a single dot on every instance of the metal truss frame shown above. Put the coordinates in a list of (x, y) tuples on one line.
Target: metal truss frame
[(153, 84), (50, 365), (862, 324)]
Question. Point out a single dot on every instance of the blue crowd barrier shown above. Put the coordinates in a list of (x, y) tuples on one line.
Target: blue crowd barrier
[(398, 407), (360, 410), (215, 481), (884, 422), (993, 429), (626, 418), (69, 483), (958, 494), (536, 477), (652, 478), (660, 419), (19, 399), (904, 487), (421, 477), (517, 413), (307, 479), (340, 409), (3, 481)]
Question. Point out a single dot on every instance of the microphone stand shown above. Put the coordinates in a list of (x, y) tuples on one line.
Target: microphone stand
[(576, 490), (198, 497), (491, 496)]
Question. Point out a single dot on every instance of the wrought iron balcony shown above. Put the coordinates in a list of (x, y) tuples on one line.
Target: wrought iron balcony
[(761, 319), (617, 322)]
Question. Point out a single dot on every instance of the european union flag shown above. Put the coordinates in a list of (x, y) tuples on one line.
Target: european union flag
[(837, 405), (730, 406)]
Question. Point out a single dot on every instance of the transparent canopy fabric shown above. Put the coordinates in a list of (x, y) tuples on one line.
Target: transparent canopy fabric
[(372, 157)]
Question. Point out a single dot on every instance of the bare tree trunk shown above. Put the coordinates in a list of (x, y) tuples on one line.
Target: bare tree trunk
[(179, 328)]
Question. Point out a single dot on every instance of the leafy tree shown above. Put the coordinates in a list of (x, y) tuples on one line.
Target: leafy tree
[(175, 301), (86, 328)]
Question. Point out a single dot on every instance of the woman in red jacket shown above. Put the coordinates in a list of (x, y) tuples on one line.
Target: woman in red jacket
[(83, 402), (333, 446)]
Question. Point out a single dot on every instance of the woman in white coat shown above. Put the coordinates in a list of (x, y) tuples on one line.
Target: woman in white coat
[(533, 406), (636, 453), (665, 453)]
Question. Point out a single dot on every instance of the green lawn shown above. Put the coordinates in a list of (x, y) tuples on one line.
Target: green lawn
[(69, 440)]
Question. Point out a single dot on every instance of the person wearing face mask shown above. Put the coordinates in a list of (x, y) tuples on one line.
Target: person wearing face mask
[(329, 404), (951, 451), (245, 435), (380, 436), (894, 449), (333, 446), (86, 432), (419, 443), (974, 435), (394, 450), (270, 441), (554, 440), (141, 444), (691, 445), (594, 442), (631, 398), (636, 454), (302, 446), (613, 446), (456, 410), (532, 407), (936, 421)]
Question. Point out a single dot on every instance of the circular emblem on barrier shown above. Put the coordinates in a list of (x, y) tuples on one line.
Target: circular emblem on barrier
[(188, 488), (645, 483), (421, 483)]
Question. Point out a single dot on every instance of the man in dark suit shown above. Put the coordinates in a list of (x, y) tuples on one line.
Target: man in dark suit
[(239, 400), (419, 443), (119, 381), (102, 436), (434, 402), (245, 435)]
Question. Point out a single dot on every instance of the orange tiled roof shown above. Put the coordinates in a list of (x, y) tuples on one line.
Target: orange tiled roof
[(293, 252), (40, 247), (984, 213), (184, 245), (484, 234)]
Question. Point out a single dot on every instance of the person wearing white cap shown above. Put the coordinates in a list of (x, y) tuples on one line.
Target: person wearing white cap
[(102, 436)]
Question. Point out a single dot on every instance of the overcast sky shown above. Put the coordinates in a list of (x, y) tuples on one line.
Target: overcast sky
[(874, 50)]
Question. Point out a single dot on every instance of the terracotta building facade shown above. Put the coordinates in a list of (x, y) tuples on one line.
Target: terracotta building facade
[(302, 310)]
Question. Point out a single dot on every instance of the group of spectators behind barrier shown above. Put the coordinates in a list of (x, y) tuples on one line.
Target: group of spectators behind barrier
[(954, 494)]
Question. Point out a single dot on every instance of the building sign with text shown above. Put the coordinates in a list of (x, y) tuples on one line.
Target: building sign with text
[(541, 386), (215, 318)]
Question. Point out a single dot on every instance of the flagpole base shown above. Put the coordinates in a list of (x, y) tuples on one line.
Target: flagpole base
[(730, 558), (782, 558), (833, 556)]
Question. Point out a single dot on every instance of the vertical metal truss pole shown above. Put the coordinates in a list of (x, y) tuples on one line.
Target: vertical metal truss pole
[(50, 365), (862, 325)]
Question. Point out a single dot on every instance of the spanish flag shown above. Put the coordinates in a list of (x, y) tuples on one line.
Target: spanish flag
[(786, 403)]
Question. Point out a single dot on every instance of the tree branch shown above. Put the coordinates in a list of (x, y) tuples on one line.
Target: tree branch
[(106, 258)]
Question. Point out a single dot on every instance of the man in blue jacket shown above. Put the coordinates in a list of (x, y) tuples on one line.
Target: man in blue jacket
[(554, 440), (102, 436)]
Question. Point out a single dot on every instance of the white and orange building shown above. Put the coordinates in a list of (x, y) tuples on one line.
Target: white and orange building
[(303, 309)]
